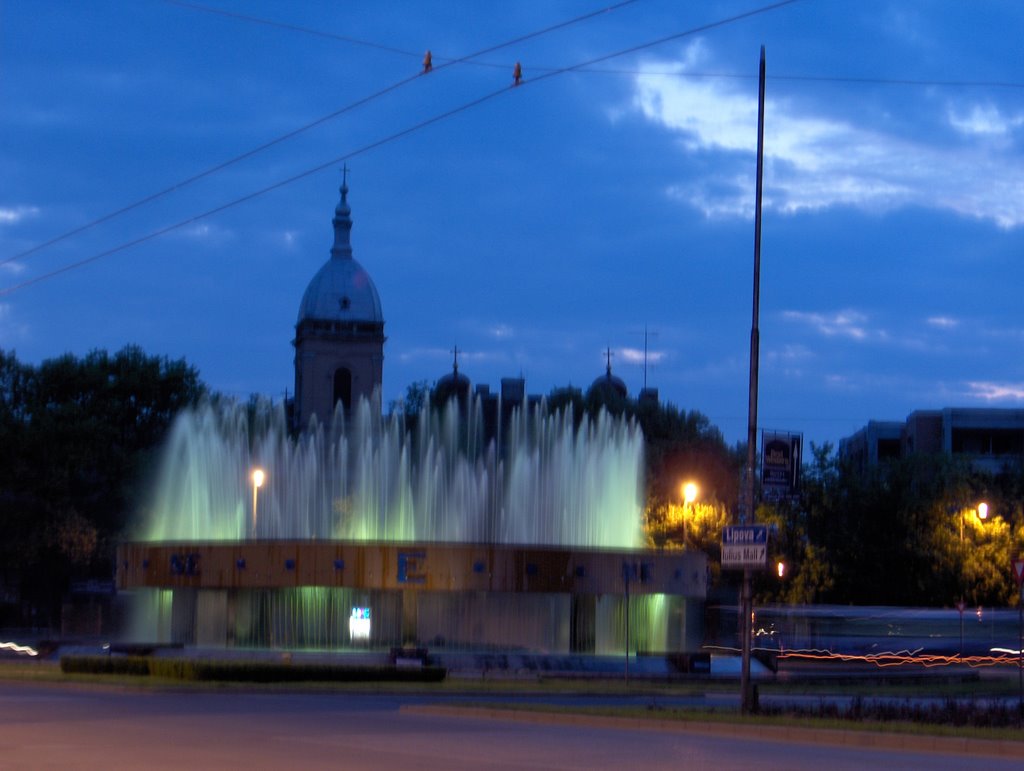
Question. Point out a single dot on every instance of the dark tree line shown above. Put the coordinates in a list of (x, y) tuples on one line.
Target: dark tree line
[(77, 437), (906, 532)]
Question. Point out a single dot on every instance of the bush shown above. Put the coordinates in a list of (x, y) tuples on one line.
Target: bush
[(244, 671), (104, 665)]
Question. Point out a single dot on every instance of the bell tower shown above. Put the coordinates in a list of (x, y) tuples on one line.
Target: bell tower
[(339, 336)]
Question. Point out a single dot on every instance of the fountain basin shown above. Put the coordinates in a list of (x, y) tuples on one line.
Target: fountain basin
[(455, 596)]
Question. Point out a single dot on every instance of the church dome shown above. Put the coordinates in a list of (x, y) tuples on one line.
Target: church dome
[(608, 385), (342, 290), (452, 385)]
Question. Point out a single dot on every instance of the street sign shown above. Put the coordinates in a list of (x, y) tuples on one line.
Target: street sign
[(1018, 570), (745, 546)]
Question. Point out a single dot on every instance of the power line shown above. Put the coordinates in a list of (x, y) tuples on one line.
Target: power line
[(386, 140), (605, 71), (291, 27), (250, 196), (302, 129), (824, 79)]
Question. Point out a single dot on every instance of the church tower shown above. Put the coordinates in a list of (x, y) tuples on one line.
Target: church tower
[(339, 337)]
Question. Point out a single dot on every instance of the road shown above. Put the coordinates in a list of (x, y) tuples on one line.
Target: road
[(70, 726)]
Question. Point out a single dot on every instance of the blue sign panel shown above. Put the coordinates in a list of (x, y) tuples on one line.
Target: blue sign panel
[(745, 546), (411, 569), (780, 464), (745, 534)]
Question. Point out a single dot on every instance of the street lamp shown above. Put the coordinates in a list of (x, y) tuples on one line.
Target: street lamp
[(258, 477), (981, 511), (689, 496)]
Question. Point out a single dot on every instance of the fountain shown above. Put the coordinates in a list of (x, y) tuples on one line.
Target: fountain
[(371, 480), (366, 534)]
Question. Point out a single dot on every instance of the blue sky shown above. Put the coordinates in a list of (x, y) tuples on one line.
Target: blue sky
[(548, 222)]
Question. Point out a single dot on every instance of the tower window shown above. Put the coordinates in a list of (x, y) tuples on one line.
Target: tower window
[(345, 303), (343, 387)]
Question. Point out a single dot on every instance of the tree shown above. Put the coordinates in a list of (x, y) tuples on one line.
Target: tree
[(905, 532), (78, 435)]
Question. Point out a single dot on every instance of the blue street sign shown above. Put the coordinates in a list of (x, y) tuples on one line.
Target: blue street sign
[(745, 546)]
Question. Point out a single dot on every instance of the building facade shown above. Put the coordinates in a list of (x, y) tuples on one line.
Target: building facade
[(990, 439)]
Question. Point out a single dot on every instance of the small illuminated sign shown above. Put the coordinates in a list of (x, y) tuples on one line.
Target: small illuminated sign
[(359, 624)]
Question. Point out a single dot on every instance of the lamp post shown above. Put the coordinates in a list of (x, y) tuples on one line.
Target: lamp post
[(982, 513), (257, 477), (689, 496)]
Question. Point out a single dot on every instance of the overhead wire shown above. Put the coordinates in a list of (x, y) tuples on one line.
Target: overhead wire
[(304, 128), (292, 27), (387, 140), (602, 71), (446, 62)]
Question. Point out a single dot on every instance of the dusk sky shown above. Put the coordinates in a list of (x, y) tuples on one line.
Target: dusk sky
[(532, 226)]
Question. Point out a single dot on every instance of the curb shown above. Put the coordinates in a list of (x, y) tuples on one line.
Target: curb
[(947, 745)]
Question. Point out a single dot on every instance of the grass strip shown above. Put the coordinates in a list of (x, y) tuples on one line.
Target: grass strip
[(726, 717)]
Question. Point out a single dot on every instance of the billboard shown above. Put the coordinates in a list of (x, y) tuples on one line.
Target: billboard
[(781, 458)]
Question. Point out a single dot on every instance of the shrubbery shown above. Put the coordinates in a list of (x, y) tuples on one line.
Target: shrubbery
[(244, 671), (954, 712)]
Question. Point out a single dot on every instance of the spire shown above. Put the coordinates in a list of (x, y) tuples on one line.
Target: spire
[(342, 248)]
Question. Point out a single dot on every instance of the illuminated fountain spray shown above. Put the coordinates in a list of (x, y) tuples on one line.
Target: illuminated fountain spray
[(541, 486), (370, 479)]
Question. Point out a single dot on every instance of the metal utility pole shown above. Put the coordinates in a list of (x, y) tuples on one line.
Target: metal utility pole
[(746, 695)]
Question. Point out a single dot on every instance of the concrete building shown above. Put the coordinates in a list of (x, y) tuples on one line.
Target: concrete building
[(990, 439), (339, 336)]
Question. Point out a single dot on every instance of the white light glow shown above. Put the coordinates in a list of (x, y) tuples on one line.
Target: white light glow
[(359, 624)]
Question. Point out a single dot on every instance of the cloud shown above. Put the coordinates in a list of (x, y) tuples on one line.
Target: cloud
[(438, 354), (501, 331), (814, 161), (421, 354), (983, 120), (206, 232), (636, 355), (290, 239), (788, 353), (11, 331), (942, 322), (994, 392), (13, 215), (847, 323)]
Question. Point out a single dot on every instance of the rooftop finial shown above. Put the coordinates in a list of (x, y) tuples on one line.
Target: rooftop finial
[(455, 364), (608, 355), (342, 248)]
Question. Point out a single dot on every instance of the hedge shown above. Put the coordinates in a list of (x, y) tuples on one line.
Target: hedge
[(244, 671)]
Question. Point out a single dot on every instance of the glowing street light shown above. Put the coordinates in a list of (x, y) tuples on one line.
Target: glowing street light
[(689, 496), (258, 477), (781, 567), (689, 492), (981, 511)]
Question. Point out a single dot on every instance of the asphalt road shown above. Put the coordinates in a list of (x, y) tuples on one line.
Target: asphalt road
[(59, 726)]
